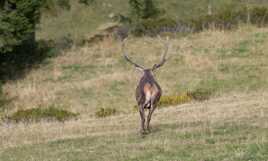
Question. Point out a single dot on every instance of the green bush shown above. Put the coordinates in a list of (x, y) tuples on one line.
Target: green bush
[(105, 112), (38, 114), (153, 27), (259, 15), (201, 94), (224, 19), (143, 9)]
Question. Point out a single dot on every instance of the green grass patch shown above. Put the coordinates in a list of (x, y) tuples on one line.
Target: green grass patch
[(169, 142), (38, 114), (242, 50)]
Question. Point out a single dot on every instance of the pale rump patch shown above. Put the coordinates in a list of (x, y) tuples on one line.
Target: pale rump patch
[(150, 91)]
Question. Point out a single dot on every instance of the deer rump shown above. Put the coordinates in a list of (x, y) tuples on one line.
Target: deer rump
[(148, 93)]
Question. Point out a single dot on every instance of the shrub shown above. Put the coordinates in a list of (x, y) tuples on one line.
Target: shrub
[(201, 94), (259, 15), (38, 114), (153, 27), (144, 18), (230, 17), (143, 9), (174, 100), (105, 112), (224, 19)]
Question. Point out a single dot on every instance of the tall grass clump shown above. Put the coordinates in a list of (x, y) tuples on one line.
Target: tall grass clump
[(200, 94), (39, 114), (105, 112)]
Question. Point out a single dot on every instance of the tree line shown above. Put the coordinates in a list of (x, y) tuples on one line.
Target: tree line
[(19, 18)]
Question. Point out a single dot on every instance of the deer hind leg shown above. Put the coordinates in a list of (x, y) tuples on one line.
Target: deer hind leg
[(151, 110), (142, 115)]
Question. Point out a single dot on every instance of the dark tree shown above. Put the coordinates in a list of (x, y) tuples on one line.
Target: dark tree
[(149, 10), (18, 20), (135, 9), (143, 9)]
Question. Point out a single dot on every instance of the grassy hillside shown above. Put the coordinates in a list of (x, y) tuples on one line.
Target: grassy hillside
[(232, 125), (232, 128), (232, 66), (81, 20), (86, 79)]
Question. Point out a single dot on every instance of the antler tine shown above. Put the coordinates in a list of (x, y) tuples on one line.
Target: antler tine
[(128, 59), (162, 62)]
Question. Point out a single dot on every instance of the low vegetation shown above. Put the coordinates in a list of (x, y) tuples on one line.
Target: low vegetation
[(230, 17), (174, 100), (197, 95), (104, 112), (78, 22), (39, 114), (200, 94)]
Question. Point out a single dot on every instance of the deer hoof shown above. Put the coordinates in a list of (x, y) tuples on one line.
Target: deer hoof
[(143, 132), (149, 130)]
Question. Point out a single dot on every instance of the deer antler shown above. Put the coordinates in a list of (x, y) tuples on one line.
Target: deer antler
[(166, 45), (128, 59)]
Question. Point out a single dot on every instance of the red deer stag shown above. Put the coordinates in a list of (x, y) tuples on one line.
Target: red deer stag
[(148, 91)]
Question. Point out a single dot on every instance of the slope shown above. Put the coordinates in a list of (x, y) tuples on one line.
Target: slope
[(227, 128)]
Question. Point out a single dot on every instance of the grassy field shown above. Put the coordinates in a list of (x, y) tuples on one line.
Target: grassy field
[(232, 128), (232, 125), (85, 79)]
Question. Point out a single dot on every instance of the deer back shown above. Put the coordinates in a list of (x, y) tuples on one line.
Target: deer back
[(148, 88)]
